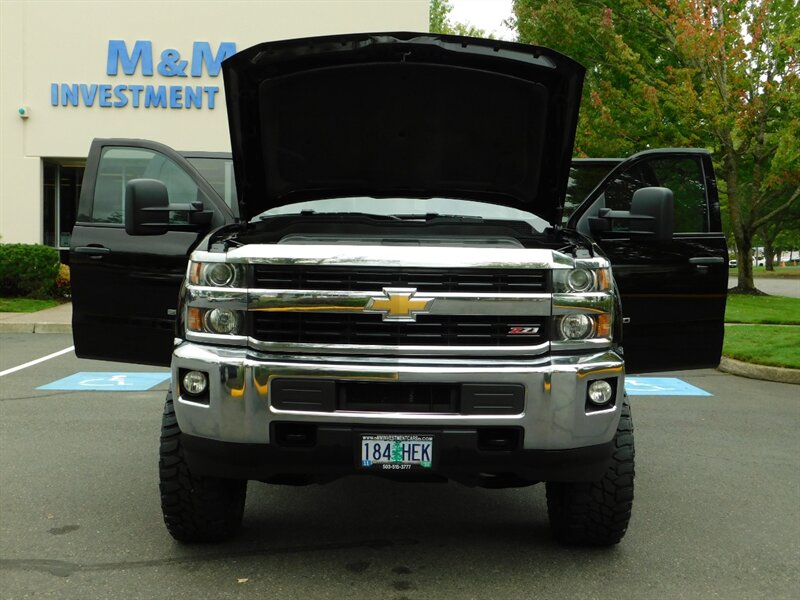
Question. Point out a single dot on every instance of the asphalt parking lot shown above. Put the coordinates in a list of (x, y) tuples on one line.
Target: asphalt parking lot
[(716, 515)]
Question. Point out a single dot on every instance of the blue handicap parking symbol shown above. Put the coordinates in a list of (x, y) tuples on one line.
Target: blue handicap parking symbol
[(108, 382), (137, 382), (661, 386)]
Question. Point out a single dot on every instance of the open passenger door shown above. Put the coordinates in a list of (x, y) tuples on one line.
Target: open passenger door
[(125, 287), (673, 287)]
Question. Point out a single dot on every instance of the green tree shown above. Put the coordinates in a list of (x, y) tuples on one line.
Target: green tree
[(780, 233), (721, 74), (439, 21)]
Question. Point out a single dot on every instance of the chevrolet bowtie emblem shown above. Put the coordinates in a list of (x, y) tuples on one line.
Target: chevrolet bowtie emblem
[(399, 304)]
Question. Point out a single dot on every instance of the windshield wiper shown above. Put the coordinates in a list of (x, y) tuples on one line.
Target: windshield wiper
[(392, 217), (431, 216), (339, 214)]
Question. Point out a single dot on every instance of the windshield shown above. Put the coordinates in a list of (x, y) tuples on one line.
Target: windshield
[(410, 208), (584, 176), (218, 171)]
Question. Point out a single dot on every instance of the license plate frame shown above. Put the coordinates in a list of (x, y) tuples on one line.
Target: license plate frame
[(396, 452)]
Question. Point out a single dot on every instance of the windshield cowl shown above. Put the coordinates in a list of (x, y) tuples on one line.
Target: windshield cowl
[(407, 209)]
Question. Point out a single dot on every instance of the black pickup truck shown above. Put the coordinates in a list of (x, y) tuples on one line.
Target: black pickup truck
[(399, 271)]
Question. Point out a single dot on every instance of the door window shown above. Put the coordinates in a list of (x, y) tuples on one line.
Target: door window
[(682, 174), (119, 165)]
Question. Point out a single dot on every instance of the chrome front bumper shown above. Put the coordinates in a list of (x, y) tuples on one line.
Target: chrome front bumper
[(239, 411)]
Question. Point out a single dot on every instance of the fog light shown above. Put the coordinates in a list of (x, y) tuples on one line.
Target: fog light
[(576, 326), (195, 383), (600, 392), (222, 320)]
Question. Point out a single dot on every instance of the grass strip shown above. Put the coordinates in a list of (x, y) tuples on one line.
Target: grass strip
[(24, 305), (775, 310), (775, 346)]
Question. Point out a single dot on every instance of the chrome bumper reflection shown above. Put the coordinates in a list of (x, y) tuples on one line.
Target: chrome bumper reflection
[(554, 418)]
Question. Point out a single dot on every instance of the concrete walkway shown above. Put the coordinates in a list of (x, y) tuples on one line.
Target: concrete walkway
[(50, 320)]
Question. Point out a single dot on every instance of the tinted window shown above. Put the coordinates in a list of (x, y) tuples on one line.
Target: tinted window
[(683, 175), (685, 178), (119, 165)]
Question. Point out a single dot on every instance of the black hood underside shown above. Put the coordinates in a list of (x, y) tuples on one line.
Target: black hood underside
[(402, 115)]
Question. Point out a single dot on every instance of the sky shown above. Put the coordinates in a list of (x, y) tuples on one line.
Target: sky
[(484, 14)]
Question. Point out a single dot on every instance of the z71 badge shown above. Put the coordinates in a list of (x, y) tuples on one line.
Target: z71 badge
[(523, 330)]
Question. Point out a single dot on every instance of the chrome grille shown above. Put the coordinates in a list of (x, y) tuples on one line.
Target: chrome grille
[(371, 330), (429, 280)]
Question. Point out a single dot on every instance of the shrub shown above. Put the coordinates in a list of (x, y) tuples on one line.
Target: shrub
[(63, 288), (28, 270)]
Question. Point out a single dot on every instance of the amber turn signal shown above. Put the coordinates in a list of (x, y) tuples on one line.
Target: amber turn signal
[(194, 319), (603, 325), (194, 272)]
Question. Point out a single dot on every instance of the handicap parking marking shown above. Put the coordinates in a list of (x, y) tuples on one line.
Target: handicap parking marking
[(108, 381), (661, 386), (139, 381)]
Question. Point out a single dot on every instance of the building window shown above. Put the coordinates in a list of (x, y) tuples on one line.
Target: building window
[(50, 208), (60, 194)]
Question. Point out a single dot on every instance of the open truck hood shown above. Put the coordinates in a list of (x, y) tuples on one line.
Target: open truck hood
[(412, 115)]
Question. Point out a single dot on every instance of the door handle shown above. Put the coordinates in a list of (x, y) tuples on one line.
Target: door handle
[(93, 252), (706, 260)]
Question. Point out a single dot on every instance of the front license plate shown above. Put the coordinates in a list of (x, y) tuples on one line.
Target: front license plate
[(396, 452)]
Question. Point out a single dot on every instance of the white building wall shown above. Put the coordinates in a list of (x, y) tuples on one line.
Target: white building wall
[(53, 42), (20, 173)]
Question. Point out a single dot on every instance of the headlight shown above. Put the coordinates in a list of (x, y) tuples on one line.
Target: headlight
[(576, 326), (221, 321), (219, 274), (583, 305), (216, 274), (581, 280)]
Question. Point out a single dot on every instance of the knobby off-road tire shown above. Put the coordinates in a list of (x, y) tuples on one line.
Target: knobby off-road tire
[(597, 513), (196, 509)]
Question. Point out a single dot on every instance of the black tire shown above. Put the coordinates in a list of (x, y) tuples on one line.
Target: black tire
[(196, 509), (597, 513)]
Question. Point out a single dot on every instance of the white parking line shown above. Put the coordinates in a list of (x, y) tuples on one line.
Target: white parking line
[(36, 362)]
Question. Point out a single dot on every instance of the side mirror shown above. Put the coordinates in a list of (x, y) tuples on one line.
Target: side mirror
[(651, 217), (146, 207), (147, 210), (653, 214)]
